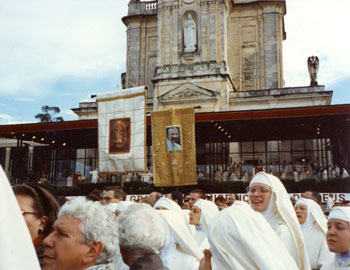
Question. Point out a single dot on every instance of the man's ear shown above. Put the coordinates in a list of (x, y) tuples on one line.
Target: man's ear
[(95, 249)]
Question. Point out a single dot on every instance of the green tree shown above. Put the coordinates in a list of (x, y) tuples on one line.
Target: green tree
[(48, 114)]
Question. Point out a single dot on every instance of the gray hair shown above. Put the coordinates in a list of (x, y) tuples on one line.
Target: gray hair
[(97, 223), (141, 230), (171, 129)]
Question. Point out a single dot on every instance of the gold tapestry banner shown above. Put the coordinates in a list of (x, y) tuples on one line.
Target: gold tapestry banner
[(174, 148)]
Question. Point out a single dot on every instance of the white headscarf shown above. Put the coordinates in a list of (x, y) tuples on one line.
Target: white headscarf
[(181, 234), (315, 217), (168, 204), (241, 238), (340, 212), (280, 206), (209, 210), (171, 205), (119, 206), (17, 249)]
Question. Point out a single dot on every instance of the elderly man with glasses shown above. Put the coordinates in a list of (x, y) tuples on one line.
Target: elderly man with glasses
[(85, 236)]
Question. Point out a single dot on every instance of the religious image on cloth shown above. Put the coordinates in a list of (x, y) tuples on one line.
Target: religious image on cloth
[(174, 148), (119, 135), (173, 140), (122, 131)]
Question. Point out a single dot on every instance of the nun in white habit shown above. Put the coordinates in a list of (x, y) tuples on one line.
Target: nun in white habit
[(241, 239), (268, 196), (180, 251), (167, 204), (313, 224), (16, 246), (201, 214), (338, 238)]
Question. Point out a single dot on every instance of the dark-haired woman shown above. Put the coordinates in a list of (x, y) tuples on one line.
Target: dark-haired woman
[(39, 208)]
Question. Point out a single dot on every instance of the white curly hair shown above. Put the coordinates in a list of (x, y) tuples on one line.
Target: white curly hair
[(141, 230), (97, 223)]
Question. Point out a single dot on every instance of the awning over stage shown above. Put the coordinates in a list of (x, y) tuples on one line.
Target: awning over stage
[(272, 124)]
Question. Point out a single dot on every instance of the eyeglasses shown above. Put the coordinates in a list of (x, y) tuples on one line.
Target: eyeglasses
[(261, 191), (29, 213)]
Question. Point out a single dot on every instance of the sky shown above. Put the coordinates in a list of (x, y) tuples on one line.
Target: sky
[(60, 52)]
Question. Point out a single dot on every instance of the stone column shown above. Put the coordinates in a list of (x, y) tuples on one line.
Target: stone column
[(134, 35), (271, 57), (167, 41), (223, 32), (160, 34), (175, 36), (212, 31), (204, 33)]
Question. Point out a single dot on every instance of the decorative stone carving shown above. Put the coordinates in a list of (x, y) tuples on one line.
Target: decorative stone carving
[(312, 65), (188, 91), (190, 34)]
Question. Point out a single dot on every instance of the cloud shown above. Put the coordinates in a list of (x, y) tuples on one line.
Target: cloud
[(25, 99), (68, 115), (41, 40), (59, 52), (316, 27), (6, 119)]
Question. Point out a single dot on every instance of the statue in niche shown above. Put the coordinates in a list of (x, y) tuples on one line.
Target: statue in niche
[(312, 65), (190, 34)]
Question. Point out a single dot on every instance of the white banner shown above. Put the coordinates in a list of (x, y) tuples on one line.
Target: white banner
[(337, 197), (122, 131)]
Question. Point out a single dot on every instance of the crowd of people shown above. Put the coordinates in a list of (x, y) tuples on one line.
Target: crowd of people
[(103, 231), (244, 172)]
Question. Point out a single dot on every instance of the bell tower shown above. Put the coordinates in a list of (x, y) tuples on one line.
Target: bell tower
[(198, 53), (192, 55)]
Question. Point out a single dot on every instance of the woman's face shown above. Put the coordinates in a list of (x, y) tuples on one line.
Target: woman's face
[(26, 204), (301, 211), (259, 196), (338, 235), (195, 215)]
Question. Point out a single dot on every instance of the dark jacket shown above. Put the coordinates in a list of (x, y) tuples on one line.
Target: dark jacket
[(148, 262)]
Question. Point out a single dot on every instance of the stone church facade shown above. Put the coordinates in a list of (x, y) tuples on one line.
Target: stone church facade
[(222, 57), (236, 64)]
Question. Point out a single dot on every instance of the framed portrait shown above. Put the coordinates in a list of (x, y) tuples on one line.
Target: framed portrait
[(173, 138), (119, 135)]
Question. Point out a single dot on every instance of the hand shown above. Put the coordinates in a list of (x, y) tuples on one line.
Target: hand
[(205, 263)]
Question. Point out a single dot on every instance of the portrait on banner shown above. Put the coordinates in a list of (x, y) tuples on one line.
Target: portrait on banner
[(173, 140), (119, 135)]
